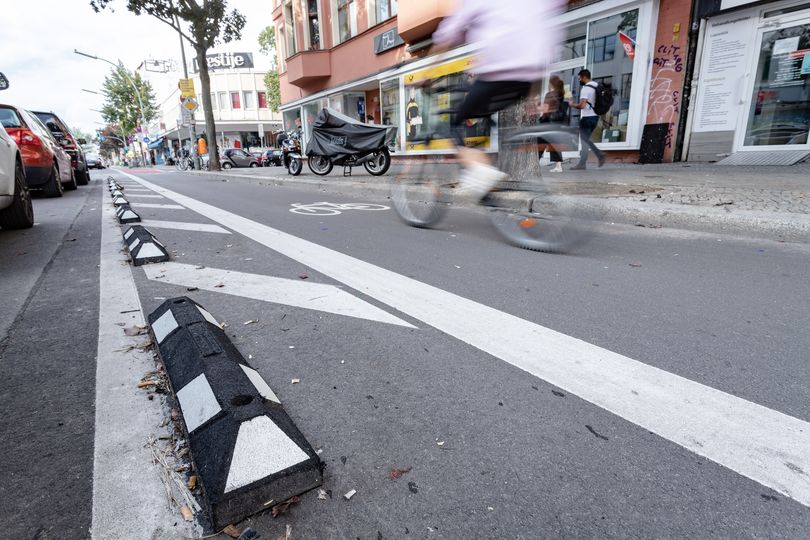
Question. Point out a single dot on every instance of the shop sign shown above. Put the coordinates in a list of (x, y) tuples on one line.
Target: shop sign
[(226, 60), (387, 41), (186, 87)]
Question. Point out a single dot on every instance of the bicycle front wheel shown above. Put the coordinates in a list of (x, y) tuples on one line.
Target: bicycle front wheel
[(419, 193)]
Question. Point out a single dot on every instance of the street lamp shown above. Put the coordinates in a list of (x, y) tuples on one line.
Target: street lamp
[(119, 66)]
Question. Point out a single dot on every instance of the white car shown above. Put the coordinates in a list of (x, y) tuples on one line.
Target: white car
[(16, 210)]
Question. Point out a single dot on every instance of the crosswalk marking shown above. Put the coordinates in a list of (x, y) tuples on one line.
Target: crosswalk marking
[(765, 445), (289, 292), (184, 226)]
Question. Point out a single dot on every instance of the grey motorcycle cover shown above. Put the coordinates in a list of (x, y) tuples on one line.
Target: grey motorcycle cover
[(337, 135)]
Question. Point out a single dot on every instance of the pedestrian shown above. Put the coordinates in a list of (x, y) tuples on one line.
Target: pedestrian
[(588, 119), (554, 111)]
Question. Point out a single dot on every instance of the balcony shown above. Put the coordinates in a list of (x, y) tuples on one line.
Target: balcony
[(307, 66), (417, 19)]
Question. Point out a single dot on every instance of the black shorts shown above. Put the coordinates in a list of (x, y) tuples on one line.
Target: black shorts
[(486, 98)]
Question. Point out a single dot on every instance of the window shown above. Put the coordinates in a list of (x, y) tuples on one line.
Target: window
[(235, 103), (223, 101), (385, 9), (262, 100), (213, 101), (574, 44), (346, 19), (313, 25), (289, 29), (250, 101)]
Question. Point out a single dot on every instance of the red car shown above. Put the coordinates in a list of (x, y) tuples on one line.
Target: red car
[(47, 165)]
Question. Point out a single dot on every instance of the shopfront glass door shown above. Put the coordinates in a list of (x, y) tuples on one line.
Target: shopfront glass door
[(779, 110)]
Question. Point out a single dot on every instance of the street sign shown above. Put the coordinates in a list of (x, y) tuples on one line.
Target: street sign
[(190, 104), (186, 117), (146, 139), (261, 131), (186, 87)]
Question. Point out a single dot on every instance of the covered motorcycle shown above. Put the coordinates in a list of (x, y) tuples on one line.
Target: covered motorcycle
[(340, 140)]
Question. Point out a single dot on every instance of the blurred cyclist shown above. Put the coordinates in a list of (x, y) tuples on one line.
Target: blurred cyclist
[(516, 42)]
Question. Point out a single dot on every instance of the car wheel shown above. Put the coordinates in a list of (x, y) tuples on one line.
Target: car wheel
[(226, 165), (72, 185), (20, 215), (253, 164), (54, 186), (83, 177)]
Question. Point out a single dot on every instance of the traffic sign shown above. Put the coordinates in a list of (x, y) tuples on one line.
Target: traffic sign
[(186, 88), (190, 104), (146, 139)]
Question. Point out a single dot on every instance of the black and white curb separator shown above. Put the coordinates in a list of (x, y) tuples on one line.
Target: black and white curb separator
[(125, 214), (248, 453), (144, 247), (118, 201), (116, 193)]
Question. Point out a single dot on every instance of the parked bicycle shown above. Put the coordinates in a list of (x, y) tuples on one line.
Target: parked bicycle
[(423, 191), (184, 162)]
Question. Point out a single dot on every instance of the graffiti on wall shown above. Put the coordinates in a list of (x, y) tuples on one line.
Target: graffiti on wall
[(665, 95)]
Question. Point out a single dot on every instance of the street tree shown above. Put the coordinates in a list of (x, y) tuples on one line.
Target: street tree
[(203, 24), (267, 46), (122, 105)]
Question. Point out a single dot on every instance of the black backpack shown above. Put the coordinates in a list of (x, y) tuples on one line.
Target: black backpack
[(604, 98)]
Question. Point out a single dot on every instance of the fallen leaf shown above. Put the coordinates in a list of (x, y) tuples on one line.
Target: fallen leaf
[(186, 512), (398, 473), (232, 531), (350, 494), (282, 508), (175, 414), (635, 265), (219, 285), (322, 494), (192, 481), (303, 276), (145, 383)]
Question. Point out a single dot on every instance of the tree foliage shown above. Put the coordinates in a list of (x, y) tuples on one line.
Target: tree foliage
[(121, 105), (267, 46)]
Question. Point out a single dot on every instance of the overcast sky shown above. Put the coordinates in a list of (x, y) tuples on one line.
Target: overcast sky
[(37, 38)]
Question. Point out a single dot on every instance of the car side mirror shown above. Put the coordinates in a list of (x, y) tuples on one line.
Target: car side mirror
[(3, 82)]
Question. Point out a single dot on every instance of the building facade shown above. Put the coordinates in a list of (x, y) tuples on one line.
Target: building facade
[(751, 82), (367, 58), (239, 102)]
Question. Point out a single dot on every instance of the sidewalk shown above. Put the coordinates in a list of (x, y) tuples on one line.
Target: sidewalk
[(759, 202)]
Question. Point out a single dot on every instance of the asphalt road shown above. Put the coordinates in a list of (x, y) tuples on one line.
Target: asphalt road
[(525, 451)]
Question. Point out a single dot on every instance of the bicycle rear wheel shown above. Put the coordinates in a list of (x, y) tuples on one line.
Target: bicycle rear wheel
[(420, 192), (550, 231)]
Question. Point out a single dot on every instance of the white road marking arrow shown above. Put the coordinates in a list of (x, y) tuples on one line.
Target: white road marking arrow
[(290, 292)]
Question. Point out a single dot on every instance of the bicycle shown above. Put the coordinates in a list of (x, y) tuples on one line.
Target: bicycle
[(422, 197), (184, 163)]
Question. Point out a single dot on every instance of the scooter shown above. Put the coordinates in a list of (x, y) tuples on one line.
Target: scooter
[(291, 153)]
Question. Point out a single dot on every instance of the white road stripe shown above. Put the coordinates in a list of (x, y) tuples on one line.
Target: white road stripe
[(138, 196), (762, 444), (183, 226), (289, 292), (155, 205), (128, 496)]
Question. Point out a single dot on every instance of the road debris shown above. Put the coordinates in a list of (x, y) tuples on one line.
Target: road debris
[(398, 473), (192, 289), (322, 494), (282, 508), (192, 480), (349, 494), (219, 285), (135, 330), (252, 321), (186, 512), (232, 531), (635, 264), (303, 276), (295, 381)]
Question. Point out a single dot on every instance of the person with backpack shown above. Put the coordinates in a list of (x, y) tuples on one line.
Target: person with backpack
[(595, 99), (554, 111)]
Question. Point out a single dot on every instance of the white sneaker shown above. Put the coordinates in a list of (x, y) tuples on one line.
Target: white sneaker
[(557, 167), (477, 180)]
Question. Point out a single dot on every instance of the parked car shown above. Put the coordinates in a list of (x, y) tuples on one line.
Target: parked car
[(273, 156), (93, 161), (71, 144), (16, 210), (47, 165), (236, 157)]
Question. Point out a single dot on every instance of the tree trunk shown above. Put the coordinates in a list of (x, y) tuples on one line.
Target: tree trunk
[(521, 163), (210, 127)]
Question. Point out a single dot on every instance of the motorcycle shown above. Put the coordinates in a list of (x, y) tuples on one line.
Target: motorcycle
[(340, 140), (291, 153)]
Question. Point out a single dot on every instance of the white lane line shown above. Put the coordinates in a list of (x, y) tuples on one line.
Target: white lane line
[(128, 496), (289, 292), (139, 196), (767, 446), (138, 189), (184, 226), (155, 205)]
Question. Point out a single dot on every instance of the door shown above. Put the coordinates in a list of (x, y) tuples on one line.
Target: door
[(778, 115)]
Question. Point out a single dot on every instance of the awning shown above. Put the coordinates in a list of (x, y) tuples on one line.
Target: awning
[(156, 144)]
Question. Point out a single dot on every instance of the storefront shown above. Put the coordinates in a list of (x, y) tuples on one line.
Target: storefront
[(594, 37), (753, 84)]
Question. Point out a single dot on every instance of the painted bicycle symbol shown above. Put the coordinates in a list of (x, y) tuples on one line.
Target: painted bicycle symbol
[(332, 209)]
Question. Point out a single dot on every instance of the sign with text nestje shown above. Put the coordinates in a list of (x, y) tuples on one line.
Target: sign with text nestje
[(226, 60)]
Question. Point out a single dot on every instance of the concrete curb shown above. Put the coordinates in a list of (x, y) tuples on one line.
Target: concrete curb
[(143, 247), (782, 227), (247, 452)]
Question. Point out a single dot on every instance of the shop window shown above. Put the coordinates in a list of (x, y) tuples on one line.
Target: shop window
[(385, 9), (574, 44), (313, 25), (250, 100), (346, 19), (289, 29), (223, 101), (235, 101), (389, 99), (291, 119), (262, 100), (213, 101)]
